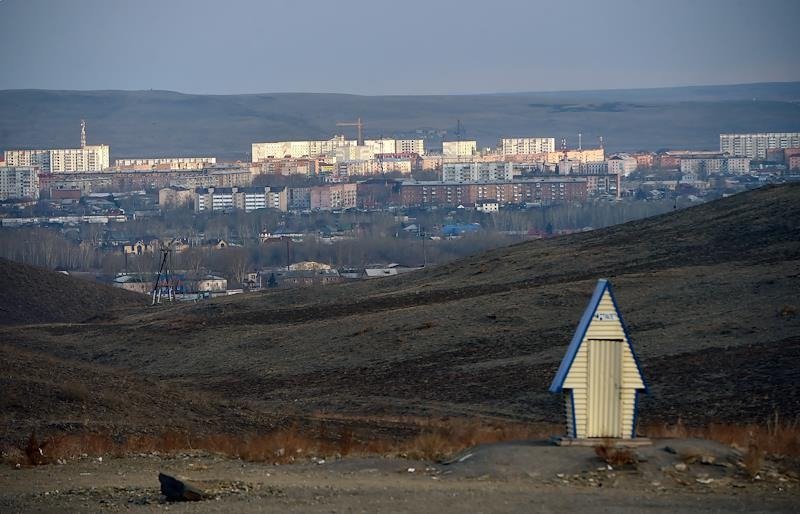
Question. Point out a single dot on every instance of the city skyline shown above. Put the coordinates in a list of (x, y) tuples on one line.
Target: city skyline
[(412, 48)]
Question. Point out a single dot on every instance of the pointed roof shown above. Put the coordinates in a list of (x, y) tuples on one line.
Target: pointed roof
[(603, 285)]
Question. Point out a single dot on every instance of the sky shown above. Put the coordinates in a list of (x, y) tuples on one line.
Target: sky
[(395, 47)]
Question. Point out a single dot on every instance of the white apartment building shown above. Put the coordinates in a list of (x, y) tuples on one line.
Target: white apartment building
[(91, 158), (244, 198), (173, 163), (727, 165), (527, 145), (381, 145), (312, 148), (19, 182), (459, 148), (755, 146), (477, 172), (416, 146), (40, 158), (385, 145)]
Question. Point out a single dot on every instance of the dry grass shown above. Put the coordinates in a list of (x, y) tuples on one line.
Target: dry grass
[(427, 439), (443, 438), (434, 440), (776, 437), (616, 457)]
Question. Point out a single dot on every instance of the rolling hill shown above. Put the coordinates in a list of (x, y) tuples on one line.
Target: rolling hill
[(163, 123), (709, 293), (35, 295)]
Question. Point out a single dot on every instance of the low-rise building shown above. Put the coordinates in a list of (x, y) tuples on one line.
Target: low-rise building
[(622, 164), (487, 206)]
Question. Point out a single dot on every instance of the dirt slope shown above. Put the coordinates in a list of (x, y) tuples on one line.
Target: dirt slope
[(710, 294), (36, 295)]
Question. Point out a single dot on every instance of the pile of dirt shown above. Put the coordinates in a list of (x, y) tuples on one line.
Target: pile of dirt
[(709, 294), (36, 295)]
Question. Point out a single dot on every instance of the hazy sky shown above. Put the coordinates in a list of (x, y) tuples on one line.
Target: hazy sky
[(398, 46)]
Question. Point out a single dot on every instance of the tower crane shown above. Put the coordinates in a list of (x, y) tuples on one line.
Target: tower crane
[(357, 124)]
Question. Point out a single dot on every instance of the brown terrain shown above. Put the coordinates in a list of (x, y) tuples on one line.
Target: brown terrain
[(710, 294)]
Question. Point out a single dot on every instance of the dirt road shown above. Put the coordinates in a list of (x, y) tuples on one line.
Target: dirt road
[(510, 477)]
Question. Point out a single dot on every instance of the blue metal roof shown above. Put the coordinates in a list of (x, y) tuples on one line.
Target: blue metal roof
[(580, 333)]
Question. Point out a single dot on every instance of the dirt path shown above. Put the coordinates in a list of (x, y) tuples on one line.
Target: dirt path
[(513, 477)]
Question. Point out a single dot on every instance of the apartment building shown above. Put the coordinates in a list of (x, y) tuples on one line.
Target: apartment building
[(395, 146), (755, 145), (477, 171), (459, 148), (583, 155), (416, 146), (715, 165), (527, 145), (622, 164), (243, 198), (90, 158), (311, 148), (18, 182), (544, 190), (287, 166), (165, 163), (334, 196)]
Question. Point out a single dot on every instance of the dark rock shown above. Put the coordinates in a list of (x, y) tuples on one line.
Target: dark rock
[(176, 489)]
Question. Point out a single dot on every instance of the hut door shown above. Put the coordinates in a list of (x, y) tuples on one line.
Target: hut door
[(604, 381)]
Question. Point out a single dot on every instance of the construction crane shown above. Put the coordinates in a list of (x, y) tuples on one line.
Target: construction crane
[(164, 270), (357, 124)]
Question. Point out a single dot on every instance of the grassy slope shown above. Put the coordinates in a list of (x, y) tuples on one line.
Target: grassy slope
[(35, 295), (710, 294)]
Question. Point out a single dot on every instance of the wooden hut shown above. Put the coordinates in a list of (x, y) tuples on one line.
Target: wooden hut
[(600, 374)]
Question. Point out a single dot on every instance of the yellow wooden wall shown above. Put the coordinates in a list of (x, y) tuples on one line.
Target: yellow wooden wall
[(604, 326)]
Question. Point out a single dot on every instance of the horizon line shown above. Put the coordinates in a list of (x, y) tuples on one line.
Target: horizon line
[(496, 93)]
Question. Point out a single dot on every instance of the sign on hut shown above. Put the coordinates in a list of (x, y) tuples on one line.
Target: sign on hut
[(600, 375)]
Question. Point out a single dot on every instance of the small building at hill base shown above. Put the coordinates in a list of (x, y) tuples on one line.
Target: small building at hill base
[(600, 375)]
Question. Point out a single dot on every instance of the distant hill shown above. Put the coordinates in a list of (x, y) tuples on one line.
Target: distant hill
[(162, 123), (709, 293), (36, 295)]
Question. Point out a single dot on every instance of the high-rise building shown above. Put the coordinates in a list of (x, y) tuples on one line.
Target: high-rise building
[(527, 145), (459, 148), (19, 182), (91, 158), (311, 148), (755, 146)]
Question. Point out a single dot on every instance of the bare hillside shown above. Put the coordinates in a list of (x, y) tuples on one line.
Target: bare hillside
[(710, 294), (35, 295)]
